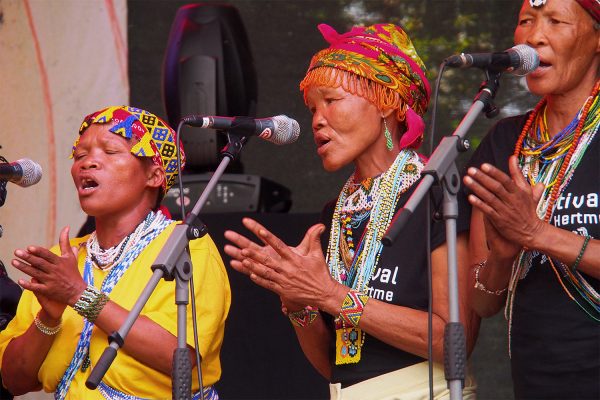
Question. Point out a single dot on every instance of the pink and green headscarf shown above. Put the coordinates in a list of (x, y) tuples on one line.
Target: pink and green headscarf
[(156, 139), (384, 68)]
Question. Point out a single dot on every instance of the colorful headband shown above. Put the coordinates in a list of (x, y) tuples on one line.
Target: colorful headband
[(592, 7), (382, 54), (156, 137)]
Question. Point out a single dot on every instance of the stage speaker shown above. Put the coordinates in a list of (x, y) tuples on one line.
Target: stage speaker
[(233, 193), (208, 70)]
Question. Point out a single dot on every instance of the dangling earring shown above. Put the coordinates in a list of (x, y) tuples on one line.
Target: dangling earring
[(388, 136)]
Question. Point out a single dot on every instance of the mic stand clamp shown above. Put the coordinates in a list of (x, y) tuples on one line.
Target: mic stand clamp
[(441, 168), (174, 263)]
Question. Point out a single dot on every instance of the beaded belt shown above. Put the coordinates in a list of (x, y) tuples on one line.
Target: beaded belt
[(210, 393)]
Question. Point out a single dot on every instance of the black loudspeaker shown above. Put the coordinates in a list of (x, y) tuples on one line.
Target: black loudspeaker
[(233, 193), (208, 70)]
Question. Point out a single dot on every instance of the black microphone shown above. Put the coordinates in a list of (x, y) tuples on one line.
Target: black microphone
[(23, 172), (518, 60), (280, 129)]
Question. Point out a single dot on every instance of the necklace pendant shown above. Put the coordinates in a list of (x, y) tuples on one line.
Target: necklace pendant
[(344, 276)]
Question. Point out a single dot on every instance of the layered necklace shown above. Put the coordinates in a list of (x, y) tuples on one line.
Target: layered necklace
[(353, 263), (105, 259), (552, 161)]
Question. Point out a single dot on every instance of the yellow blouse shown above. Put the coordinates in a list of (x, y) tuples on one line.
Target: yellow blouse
[(213, 298)]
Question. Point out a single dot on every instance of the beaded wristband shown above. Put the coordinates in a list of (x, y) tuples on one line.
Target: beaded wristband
[(303, 317), (90, 303), (352, 307), (580, 255), (45, 329), (481, 286)]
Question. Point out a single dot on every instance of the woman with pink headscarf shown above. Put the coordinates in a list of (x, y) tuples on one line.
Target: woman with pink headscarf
[(360, 310)]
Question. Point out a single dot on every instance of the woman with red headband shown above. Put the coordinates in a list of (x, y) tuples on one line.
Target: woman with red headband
[(360, 310), (535, 226), (124, 161)]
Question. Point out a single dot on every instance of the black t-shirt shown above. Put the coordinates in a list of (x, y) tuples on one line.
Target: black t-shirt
[(400, 278), (555, 344)]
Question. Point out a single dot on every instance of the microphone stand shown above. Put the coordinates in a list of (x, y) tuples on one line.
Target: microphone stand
[(441, 168), (173, 262)]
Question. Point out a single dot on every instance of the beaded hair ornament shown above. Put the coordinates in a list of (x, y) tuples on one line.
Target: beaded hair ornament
[(156, 139), (379, 63)]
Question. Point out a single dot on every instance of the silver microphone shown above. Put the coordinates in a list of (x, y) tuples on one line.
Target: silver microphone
[(23, 172), (280, 129), (518, 60)]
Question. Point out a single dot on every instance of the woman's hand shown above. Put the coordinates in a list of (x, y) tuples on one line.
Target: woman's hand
[(298, 274), (509, 205), (55, 280)]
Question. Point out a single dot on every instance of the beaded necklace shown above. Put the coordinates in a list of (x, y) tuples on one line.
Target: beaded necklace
[(152, 226), (553, 163), (106, 259), (355, 210), (401, 175)]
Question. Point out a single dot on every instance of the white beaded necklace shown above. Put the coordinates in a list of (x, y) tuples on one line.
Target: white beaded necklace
[(105, 259), (401, 175)]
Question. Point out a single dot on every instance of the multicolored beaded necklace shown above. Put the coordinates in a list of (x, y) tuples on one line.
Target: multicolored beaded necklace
[(381, 201), (553, 161), (356, 210)]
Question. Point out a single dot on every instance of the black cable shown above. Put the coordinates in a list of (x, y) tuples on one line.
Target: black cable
[(428, 216), (192, 293)]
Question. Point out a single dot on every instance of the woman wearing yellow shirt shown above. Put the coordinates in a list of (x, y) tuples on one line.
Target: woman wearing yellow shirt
[(81, 290)]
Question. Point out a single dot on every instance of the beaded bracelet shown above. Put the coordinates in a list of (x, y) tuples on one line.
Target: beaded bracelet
[(481, 286), (45, 329), (90, 303), (352, 307), (580, 255), (303, 317)]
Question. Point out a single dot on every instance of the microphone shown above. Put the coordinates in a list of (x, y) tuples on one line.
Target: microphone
[(280, 129), (518, 60), (23, 172)]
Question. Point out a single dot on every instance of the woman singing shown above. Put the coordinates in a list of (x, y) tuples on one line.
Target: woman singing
[(124, 161), (535, 181), (360, 311)]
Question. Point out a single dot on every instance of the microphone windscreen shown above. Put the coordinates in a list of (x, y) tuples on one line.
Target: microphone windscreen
[(529, 59), (286, 130), (32, 172)]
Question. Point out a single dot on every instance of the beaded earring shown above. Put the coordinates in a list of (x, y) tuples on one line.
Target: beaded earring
[(388, 136)]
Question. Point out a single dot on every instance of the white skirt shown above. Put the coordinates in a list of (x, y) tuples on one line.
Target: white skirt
[(410, 383)]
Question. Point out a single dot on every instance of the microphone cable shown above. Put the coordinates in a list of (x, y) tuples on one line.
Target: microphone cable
[(3, 183)]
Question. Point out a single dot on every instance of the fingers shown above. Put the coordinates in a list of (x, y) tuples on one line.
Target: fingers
[(481, 197), (262, 276), (268, 238), (237, 239), (63, 242), (515, 172), (492, 179), (35, 257), (26, 268), (312, 239), (32, 285)]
